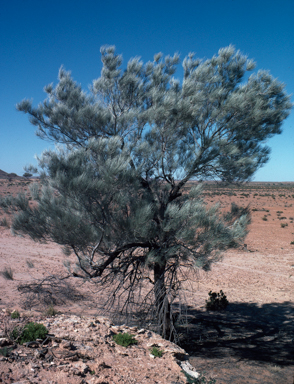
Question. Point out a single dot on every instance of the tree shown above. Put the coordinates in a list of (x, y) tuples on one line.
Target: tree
[(115, 190), (27, 175)]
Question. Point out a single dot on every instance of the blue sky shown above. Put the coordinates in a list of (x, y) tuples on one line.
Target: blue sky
[(37, 37)]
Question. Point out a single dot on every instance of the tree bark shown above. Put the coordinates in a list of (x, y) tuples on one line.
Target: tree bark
[(163, 310)]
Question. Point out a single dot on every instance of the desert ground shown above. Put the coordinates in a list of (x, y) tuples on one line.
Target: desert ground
[(252, 341)]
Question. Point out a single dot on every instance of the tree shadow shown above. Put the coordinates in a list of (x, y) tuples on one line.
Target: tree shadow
[(246, 331)]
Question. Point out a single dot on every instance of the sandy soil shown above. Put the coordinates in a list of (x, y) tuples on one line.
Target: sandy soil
[(250, 342)]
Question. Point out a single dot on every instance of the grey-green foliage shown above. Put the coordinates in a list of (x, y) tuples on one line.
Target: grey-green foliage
[(113, 189)]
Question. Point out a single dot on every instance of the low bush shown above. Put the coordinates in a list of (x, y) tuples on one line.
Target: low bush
[(30, 332), (216, 301), (124, 339), (283, 225)]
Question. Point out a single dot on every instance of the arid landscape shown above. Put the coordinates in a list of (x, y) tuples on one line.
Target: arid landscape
[(252, 341)]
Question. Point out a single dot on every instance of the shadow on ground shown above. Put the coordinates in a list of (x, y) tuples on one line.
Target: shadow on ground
[(244, 331)]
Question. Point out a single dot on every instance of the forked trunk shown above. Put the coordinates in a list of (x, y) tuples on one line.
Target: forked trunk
[(163, 310)]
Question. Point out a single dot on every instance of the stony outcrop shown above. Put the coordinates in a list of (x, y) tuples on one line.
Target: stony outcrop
[(81, 350)]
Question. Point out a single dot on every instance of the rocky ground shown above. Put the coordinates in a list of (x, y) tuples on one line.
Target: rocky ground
[(80, 350)]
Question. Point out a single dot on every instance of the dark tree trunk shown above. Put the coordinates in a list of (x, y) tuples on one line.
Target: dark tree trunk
[(163, 310)]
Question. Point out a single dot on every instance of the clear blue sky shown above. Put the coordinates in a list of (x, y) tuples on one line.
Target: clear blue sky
[(37, 37)]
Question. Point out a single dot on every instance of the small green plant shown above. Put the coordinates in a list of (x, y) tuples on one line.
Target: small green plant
[(283, 225), (92, 372), (124, 339), (7, 273), (264, 218), (156, 352), (15, 315), (5, 351), (216, 301), (30, 332), (292, 243)]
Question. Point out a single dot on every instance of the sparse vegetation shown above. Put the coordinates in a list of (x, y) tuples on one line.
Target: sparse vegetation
[(124, 339), (283, 225)]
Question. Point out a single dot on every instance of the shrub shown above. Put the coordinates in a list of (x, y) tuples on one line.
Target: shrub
[(264, 218), (124, 339), (15, 315), (156, 352), (292, 243), (283, 225), (216, 301), (7, 273), (50, 311), (30, 332)]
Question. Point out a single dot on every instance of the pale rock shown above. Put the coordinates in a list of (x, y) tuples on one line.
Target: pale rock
[(4, 342), (187, 367)]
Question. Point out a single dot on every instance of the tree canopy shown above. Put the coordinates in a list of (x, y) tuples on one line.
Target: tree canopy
[(115, 189)]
